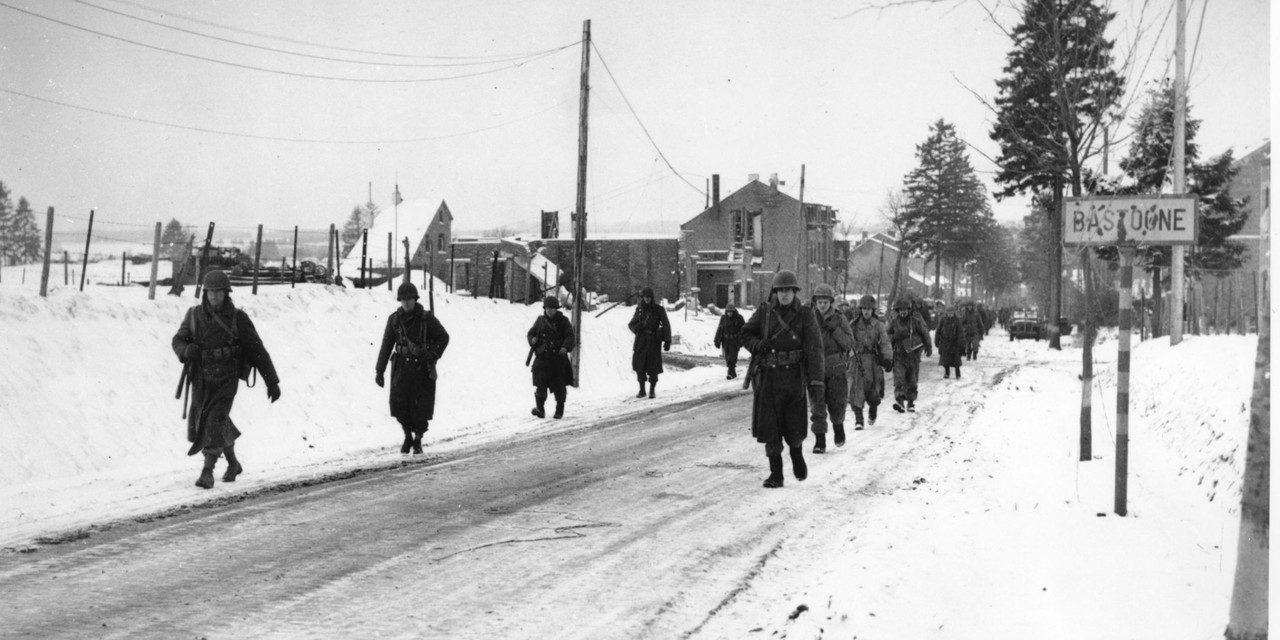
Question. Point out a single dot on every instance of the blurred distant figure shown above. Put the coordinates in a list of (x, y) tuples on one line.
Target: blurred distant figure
[(971, 320), (729, 338), (550, 341), (418, 340), (951, 342), (220, 346), (653, 336)]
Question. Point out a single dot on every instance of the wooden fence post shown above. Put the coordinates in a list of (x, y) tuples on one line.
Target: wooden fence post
[(48, 249), (84, 268), (155, 264), (257, 257)]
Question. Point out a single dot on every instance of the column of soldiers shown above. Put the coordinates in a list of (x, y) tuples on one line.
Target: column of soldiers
[(821, 359), (807, 363)]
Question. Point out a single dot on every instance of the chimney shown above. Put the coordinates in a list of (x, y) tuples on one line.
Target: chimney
[(864, 236), (773, 181), (715, 189)]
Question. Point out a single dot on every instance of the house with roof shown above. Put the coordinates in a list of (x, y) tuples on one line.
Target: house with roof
[(429, 228), (871, 264), (734, 247)]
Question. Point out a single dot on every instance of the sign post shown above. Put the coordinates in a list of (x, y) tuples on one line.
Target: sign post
[(1126, 222)]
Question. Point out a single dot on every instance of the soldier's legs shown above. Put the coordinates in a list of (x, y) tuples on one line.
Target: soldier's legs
[(731, 361), (900, 383), (560, 393), (640, 379), (837, 396), (540, 397), (653, 382)]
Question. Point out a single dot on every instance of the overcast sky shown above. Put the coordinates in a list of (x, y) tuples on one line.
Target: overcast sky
[(283, 112)]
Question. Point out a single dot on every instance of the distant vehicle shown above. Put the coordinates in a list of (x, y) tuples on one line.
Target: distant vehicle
[(1022, 327)]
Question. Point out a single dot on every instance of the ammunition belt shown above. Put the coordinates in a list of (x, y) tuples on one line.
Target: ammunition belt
[(230, 352), (783, 358)]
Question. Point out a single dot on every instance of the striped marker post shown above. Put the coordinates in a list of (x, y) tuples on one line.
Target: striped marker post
[(1122, 380)]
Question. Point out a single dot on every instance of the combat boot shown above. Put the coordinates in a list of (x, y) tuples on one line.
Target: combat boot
[(819, 443), (911, 406), (233, 465), (775, 472), (408, 440), (559, 411), (798, 466), (651, 386), (206, 474), (871, 415), (899, 405), (539, 409), (839, 429)]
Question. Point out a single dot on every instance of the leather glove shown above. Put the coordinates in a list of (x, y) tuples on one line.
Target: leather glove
[(887, 365), (928, 353), (191, 351), (666, 346), (273, 392), (717, 344), (382, 382), (564, 351)]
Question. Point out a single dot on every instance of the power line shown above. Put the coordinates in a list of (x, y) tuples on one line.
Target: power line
[(642, 127), (301, 42), (278, 138), (495, 60), (280, 72)]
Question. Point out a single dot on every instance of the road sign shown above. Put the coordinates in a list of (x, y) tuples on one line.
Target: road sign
[(1129, 220)]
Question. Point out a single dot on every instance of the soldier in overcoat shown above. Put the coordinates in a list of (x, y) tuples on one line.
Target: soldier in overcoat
[(728, 338), (909, 336), (872, 358), (550, 340), (418, 340), (653, 336), (219, 346), (950, 339), (786, 364), (971, 321), (837, 340)]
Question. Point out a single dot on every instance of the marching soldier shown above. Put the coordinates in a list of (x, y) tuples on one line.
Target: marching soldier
[(837, 339), (971, 321), (909, 336), (653, 336), (550, 341), (219, 346), (951, 342), (786, 362), (729, 338), (872, 358), (419, 340)]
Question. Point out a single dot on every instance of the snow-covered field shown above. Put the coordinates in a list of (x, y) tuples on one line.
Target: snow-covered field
[(1006, 534)]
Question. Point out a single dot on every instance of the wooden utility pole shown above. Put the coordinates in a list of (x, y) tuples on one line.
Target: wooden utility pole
[(391, 266), (48, 250), (802, 257), (294, 271), (580, 222), (155, 264), (87, 237), (407, 263), (364, 255), (1055, 266), (1179, 167)]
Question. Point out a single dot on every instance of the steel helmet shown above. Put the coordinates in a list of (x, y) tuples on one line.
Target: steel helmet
[(217, 280), (901, 303), (407, 291), (730, 307), (867, 302), (785, 280), (551, 302), (646, 292), (824, 290)]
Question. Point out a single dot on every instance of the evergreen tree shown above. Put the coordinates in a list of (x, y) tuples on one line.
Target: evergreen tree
[(22, 236), (361, 218), (173, 242), (1056, 92), (1035, 251), (6, 215), (946, 215)]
